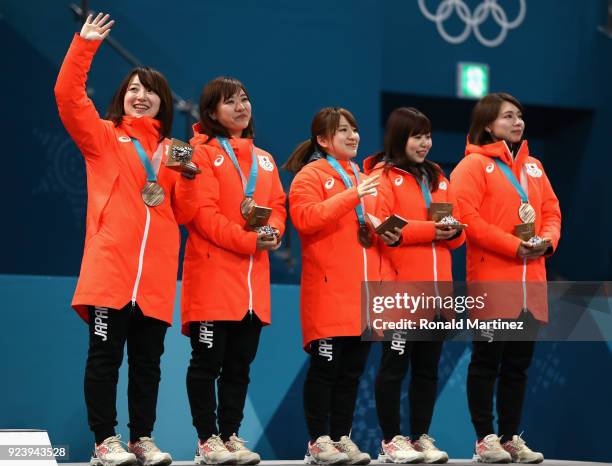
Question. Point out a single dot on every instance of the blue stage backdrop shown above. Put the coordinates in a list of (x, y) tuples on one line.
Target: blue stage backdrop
[(44, 346)]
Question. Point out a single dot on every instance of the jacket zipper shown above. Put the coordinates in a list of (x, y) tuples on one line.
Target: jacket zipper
[(250, 286), (435, 267), (143, 245), (367, 288), (524, 284)]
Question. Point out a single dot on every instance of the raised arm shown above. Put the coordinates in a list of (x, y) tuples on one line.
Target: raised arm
[(76, 110)]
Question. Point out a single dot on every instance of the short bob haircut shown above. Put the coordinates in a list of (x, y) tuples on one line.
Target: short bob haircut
[(152, 80), (485, 112), (215, 91), (403, 123)]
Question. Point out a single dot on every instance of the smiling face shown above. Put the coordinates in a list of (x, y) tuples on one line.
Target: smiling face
[(139, 101), (233, 113), (417, 147), (509, 125), (344, 143)]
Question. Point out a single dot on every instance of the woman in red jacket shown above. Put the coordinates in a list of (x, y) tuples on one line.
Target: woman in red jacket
[(226, 272), (329, 200), (127, 282), (409, 183), (499, 185)]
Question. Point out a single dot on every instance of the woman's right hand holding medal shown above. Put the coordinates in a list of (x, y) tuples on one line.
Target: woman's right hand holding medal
[(98, 28), (367, 187)]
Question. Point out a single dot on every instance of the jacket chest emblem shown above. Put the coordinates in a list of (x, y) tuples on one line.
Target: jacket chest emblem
[(443, 186), (265, 163), (489, 168), (124, 139), (398, 181), (329, 183), (219, 160), (533, 170)]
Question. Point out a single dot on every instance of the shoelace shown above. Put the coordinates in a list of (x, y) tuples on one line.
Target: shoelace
[(215, 443), (403, 443), (114, 444), (427, 443), (147, 444), (519, 443), (237, 443), (325, 444), (347, 445), (493, 443)]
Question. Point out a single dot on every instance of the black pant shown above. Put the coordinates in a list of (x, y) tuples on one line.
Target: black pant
[(108, 331), (330, 389), (397, 356), (503, 356), (507, 362), (222, 350)]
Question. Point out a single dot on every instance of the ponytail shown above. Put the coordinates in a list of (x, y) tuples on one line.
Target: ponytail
[(300, 156)]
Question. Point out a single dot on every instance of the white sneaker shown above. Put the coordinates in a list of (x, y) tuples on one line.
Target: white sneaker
[(520, 452), (425, 444), (236, 446), (111, 453), (148, 454), (355, 455), (213, 451), (399, 450), (324, 451), (489, 450)]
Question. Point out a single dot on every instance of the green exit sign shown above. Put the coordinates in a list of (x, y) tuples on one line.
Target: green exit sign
[(472, 80)]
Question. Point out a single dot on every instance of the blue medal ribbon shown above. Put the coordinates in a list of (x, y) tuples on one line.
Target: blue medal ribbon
[(424, 184), (348, 183), (151, 176), (506, 170), (248, 185)]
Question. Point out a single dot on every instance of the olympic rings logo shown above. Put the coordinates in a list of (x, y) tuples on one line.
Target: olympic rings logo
[(474, 21)]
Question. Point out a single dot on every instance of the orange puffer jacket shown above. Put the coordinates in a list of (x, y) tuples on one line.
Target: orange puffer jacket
[(131, 250), (224, 275), (489, 204), (334, 264)]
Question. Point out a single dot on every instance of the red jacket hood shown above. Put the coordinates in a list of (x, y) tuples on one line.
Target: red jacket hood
[(243, 144), (500, 150), (370, 164), (323, 165)]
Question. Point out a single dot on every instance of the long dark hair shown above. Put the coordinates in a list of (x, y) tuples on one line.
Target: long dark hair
[(325, 123), (403, 123), (484, 113), (153, 80), (216, 91)]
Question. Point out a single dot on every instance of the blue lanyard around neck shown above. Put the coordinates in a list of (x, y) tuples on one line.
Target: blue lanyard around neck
[(151, 176), (506, 170), (424, 184), (248, 185), (348, 183)]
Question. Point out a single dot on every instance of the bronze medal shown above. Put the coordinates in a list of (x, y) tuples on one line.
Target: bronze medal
[(527, 213), (152, 194), (364, 235), (246, 206)]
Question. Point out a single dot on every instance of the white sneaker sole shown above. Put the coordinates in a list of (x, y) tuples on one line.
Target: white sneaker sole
[(164, 462), (418, 458), (438, 459), (99, 462), (308, 459), (363, 460), (478, 459), (201, 460)]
